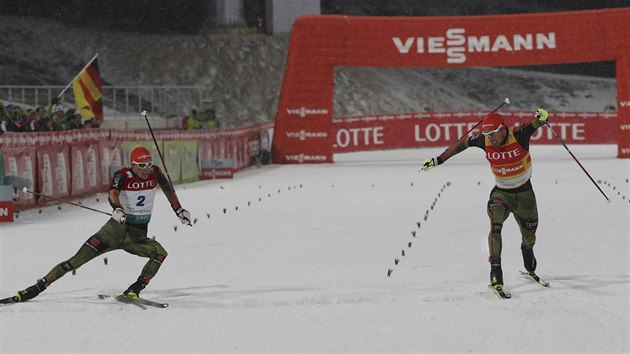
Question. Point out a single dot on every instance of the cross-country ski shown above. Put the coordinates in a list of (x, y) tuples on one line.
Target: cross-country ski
[(133, 300), (534, 277)]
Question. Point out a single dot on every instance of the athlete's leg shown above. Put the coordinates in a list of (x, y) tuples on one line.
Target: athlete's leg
[(106, 239), (102, 241), (526, 214), (498, 212), (147, 248)]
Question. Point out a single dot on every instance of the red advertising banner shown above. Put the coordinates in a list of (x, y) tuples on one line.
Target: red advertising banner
[(223, 148), (226, 153), (86, 169), (393, 131), (111, 154), (20, 168), (217, 168), (54, 174), (237, 149), (6, 211), (304, 130), (207, 150), (214, 161), (14, 140), (10, 139), (78, 162), (623, 104)]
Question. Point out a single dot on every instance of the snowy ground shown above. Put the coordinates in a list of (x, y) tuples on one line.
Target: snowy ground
[(301, 266)]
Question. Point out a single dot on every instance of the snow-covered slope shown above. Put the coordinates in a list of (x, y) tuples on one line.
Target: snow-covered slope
[(294, 259), (376, 90)]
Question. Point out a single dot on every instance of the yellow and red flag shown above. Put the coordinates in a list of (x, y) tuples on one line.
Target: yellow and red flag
[(88, 92)]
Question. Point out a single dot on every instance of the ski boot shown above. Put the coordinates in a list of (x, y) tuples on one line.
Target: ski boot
[(529, 260), (496, 273), (32, 291), (134, 289)]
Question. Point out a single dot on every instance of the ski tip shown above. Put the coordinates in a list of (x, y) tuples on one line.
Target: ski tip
[(536, 278), (9, 300), (504, 295), (138, 301), (498, 290)]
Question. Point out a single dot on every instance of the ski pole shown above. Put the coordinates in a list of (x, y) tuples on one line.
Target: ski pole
[(575, 158), (26, 190), (144, 114)]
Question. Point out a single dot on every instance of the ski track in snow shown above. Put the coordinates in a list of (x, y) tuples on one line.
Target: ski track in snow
[(295, 258)]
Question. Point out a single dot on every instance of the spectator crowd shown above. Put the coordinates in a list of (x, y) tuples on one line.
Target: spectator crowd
[(206, 120), (14, 118)]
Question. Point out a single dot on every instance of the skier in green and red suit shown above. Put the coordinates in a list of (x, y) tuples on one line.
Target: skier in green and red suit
[(507, 151), (131, 195)]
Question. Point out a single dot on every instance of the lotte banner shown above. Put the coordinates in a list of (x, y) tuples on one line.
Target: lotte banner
[(379, 132)]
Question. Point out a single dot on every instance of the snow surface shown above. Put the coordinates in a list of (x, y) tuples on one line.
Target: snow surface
[(301, 266)]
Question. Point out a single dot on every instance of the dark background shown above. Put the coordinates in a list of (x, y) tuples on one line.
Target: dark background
[(190, 16), (193, 16)]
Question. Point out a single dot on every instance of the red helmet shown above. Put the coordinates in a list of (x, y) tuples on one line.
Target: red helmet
[(492, 121), (140, 155)]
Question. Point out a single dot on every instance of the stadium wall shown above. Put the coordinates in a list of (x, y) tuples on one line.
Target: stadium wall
[(77, 163)]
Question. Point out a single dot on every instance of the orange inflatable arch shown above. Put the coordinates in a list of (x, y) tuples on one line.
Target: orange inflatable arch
[(303, 128)]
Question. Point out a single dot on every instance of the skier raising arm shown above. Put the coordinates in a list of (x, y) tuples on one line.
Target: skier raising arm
[(131, 195), (507, 151)]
